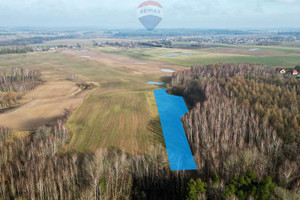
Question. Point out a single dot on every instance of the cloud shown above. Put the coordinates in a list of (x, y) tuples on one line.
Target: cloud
[(287, 1), (178, 13)]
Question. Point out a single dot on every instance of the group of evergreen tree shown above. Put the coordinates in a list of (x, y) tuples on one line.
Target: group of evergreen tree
[(243, 187)]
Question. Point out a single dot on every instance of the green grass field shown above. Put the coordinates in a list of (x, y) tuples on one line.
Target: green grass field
[(120, 121), (290, 55), (121, 113)]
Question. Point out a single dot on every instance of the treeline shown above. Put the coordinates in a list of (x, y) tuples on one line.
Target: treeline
[(243, 117), (39, 167), (194, 95), (16, 50), (175, 33), (14, 82), (224, 71), (19, 80), (9, 99), (85, 85), (32, 168), (34, 40)]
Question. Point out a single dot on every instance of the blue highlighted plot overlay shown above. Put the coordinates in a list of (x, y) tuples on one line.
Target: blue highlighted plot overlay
[(171, 109)]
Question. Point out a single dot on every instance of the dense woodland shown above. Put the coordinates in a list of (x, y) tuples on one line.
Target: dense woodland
[(14, 82), (243, 118)]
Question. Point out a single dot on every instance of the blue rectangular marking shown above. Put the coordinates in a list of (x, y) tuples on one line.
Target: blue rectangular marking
[(171, 109)]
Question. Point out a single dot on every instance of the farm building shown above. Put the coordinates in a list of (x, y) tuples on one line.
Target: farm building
[(282, 71), (295, 72)]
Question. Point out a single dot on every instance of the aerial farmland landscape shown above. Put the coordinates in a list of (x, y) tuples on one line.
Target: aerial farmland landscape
[(144, 106)]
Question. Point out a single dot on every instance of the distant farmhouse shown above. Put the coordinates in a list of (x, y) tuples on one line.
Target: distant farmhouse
[(293, 72)]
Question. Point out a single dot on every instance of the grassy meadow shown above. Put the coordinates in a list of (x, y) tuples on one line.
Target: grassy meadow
[(121, 113), (272, 56)]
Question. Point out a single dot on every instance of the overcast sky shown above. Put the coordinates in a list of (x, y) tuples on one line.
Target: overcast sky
[(177, 13)]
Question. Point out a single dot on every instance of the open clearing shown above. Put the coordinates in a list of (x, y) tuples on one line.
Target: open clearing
[(120, 113), (129, 64), (44, 104), (273, 56)]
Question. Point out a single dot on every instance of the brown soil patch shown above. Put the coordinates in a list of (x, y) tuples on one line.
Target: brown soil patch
[(44, 104)]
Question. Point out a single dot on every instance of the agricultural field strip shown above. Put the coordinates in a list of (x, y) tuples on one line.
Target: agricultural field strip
[(273, 56), (120, 113)]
